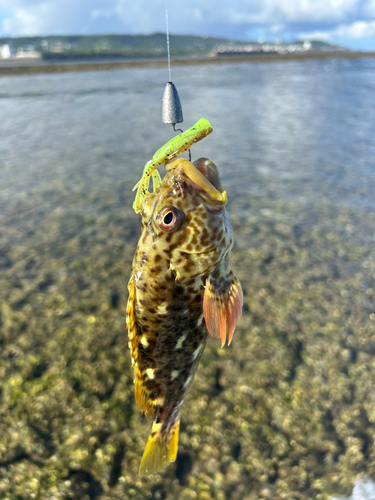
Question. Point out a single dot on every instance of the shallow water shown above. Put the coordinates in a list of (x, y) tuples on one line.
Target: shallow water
[(295, 145)]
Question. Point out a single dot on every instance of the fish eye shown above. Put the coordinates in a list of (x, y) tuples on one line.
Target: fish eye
[(169, 219)]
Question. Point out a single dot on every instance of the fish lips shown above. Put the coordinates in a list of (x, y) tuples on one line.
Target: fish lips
[(214, 198)]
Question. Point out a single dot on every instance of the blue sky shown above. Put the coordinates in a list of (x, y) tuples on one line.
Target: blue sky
[(346, 22)]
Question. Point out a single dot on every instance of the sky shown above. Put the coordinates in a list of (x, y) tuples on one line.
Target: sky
[(345, 22)]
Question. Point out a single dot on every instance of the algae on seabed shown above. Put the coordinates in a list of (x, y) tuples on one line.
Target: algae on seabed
[(285, 413)]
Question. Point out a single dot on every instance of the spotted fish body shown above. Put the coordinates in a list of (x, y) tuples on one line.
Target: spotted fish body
[(181, 289)]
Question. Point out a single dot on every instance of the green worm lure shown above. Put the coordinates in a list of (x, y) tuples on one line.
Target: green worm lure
[(166, 153)]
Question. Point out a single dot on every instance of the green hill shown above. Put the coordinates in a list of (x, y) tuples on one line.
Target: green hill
[(73, 46)]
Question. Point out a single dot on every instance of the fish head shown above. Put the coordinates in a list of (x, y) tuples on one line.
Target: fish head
[(185, 222)]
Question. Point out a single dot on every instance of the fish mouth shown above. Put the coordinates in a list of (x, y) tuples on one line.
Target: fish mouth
[(204, 177)]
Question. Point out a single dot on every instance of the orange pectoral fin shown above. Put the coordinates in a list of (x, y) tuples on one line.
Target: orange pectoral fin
[(222, 304)]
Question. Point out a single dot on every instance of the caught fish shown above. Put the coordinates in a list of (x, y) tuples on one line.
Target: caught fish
[(181, 290)]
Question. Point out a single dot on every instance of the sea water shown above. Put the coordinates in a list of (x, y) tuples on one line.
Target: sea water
[(295, 145)]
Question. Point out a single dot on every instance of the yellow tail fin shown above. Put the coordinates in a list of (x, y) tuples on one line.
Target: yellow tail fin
[(161, 449)]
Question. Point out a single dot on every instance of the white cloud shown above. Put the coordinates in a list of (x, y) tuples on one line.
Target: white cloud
[(141, 17), (296, 11), (370, 9), (324, 36), (314, 10), (324, 18), (27, 21), (359, 29), (274, 11), (356, 30), (41, 17), (102, 13), (277, 28), (197, 13)]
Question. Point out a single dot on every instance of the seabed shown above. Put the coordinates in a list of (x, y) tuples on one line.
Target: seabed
[(286, 412)]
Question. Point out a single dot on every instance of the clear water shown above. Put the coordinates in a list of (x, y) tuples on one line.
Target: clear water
[(302, 133), (295, 145)]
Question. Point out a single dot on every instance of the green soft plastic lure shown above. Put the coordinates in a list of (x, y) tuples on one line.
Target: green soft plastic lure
[(166, 153)]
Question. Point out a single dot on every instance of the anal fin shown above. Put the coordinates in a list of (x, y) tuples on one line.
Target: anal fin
[(161, 449), (222, 303)]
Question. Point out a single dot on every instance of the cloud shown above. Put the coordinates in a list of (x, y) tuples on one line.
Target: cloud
[(370, 8), (315, 10), (36, 17), (356, 30), (25, 20), (100, 13), (284, 19), (273, 11), (359, 29)]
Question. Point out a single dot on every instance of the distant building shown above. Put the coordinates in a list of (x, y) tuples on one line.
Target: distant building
[(263, 49), (28, 52), (5, 51)]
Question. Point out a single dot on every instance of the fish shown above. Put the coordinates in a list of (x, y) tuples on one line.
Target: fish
[(181, 290)]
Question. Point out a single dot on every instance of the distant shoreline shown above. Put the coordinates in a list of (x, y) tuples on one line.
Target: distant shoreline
[(68, 67)]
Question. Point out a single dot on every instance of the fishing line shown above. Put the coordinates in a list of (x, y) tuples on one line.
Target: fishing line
[(172, 109), (169, 53)]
